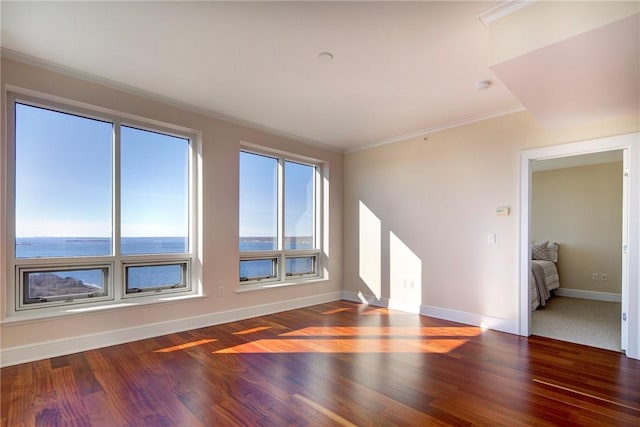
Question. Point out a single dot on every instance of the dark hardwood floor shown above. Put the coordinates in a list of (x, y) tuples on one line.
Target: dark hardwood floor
[(336, 364)]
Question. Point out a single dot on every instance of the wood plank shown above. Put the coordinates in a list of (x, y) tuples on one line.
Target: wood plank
[(334, 364)]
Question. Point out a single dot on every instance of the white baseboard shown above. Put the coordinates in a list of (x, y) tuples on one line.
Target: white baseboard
[(503, 325), (29, 353), (381, 302), (494, 323), (599, 296)]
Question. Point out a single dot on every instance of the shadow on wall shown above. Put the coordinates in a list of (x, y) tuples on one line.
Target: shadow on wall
[(396, 283)]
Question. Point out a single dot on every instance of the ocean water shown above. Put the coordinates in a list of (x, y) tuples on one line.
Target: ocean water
[(47, 247), (147, 277), (44, 247)]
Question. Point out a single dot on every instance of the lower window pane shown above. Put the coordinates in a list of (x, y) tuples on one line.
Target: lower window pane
[(258, 269), (44, 286), (149, 277), (301, 265)]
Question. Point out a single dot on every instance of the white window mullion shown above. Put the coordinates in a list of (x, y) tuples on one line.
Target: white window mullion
[(195, 211), (118, 273), (281, 204), (281, 223), (317, 197), (193, 226), (117, 232)]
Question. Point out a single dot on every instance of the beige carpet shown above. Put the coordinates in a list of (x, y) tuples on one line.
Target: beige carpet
[(582, 321)]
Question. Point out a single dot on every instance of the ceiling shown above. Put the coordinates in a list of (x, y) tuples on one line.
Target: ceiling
[(399, 69), (590, 77)]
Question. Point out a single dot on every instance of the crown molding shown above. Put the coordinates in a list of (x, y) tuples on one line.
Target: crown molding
[(91, 78), (112, 84), (439, 128), (502, 9)]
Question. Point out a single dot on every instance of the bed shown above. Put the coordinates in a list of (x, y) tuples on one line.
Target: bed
[(543, 276)]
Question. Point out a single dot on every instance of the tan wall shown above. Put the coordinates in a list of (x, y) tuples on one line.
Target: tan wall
[(438, 197), (581, 209), (220, 146)]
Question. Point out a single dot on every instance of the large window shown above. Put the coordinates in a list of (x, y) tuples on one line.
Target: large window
[(279, 199), (63, 184), (101, 210)]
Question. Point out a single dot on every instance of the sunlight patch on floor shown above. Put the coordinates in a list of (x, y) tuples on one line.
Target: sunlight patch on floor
[(252, 330), (385, 331), (184, 346), (336, 310), (380, 310), (350, 345)]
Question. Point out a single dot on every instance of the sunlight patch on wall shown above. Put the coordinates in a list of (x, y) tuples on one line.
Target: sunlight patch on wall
[(369, 250), (405, 271)]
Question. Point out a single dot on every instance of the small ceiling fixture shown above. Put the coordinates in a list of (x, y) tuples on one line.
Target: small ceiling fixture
[(483, 85), (325, 56)]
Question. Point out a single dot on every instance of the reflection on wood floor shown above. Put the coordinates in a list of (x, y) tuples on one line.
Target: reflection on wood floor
[(338, 364)]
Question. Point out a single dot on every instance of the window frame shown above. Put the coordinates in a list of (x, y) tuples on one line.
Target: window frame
[(115, 292), (280, 254), (184, 275), (56, 301), (261, 256), (303, 253)]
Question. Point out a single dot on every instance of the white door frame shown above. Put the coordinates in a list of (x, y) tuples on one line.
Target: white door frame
[(631, 228)]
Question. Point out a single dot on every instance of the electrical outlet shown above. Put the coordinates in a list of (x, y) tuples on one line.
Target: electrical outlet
[(220, 291), (408, 284), (604, 277), (594, 276)]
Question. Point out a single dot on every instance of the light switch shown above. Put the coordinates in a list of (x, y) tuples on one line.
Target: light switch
[(492, 238)]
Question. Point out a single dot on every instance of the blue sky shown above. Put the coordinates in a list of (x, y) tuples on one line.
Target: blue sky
[(154, 197), (64, 182), (258, 197), (298, 200), (64, 178)]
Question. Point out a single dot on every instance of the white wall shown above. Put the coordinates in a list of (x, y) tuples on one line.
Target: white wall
[(220, 147), (438, 198)]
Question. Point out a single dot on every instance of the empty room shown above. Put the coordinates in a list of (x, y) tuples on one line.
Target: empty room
[(319, 213)]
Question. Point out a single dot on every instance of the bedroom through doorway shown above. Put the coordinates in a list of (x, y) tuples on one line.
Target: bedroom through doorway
[(577, 208), (628, 266)]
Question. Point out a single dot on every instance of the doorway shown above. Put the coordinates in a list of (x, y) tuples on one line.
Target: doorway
[(576, 206), (630, 294)]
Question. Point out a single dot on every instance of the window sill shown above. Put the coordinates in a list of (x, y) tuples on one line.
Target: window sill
[(271, 285), (34, 316)]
